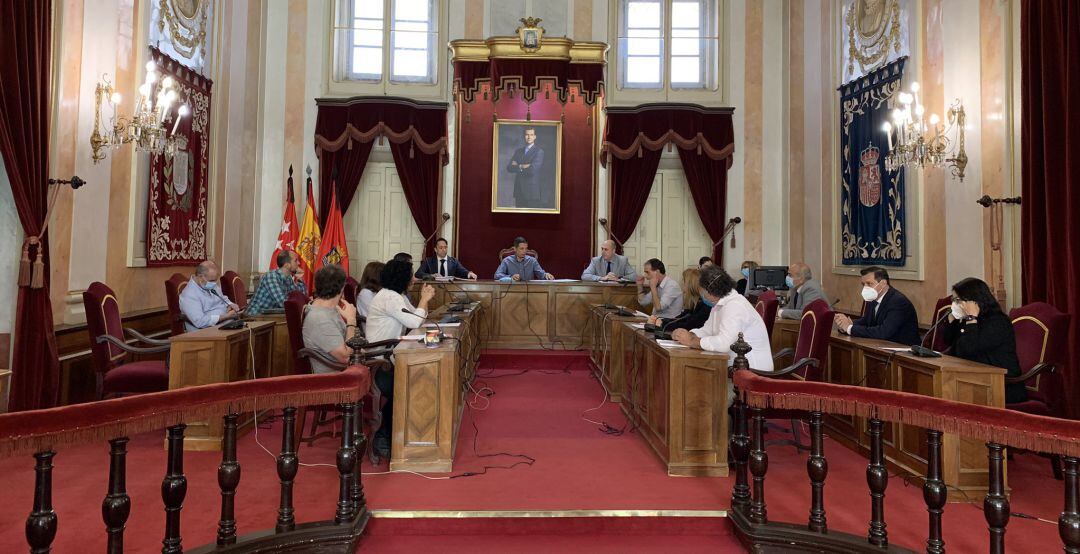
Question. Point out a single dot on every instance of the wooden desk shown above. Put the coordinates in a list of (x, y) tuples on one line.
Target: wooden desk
[(535, 314), (866, 362), (429, 389), (215, 355), (281, 360), (678, 398), (608, 335), (5, 387)]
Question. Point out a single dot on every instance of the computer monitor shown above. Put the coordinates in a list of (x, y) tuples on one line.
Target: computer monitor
[(770, 277)]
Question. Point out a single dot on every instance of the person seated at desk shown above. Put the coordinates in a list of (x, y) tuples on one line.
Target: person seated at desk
[(731, 314), (608, 266), (521, 267), (403, 257), (667, 293), (979, 331), (387, 319), (441, 265), (804, 290), (202, 303), (275, 286), (890, 315), (369, 285), (747, 269), (695, 308)]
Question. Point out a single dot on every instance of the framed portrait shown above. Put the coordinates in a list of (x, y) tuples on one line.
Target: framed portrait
[(526, 173)]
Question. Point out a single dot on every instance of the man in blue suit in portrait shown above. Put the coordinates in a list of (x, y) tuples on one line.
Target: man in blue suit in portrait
[(526, 165)]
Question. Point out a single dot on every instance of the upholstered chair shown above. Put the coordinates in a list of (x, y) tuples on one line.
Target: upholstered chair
[(116, 373)]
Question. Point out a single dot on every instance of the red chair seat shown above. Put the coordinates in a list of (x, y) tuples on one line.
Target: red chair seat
[(148, 376), (1033, 407)]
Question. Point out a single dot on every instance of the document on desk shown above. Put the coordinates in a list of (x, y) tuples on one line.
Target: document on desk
[(554, 280), (638, 325), (412, 337), (670, 344), (640, 313), (433, 326), (897, 348)]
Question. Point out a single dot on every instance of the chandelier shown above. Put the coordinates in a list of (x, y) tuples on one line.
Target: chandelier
[(146, 128), (921, 141)]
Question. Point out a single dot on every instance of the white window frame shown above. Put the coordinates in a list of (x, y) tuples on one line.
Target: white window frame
[(340, 80)]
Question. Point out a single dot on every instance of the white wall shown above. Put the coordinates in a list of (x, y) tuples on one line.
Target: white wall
[(11, 237)]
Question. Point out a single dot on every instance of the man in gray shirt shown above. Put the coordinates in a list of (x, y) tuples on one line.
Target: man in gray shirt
[(521, 267), (667, 293), (608, 266), (802, 290), (329, 320)]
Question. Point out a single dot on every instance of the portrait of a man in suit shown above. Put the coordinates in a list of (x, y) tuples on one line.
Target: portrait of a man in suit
[(526, 176)]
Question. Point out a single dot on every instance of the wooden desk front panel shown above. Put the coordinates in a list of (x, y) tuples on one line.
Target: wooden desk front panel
[(282, 359), (608, 338)]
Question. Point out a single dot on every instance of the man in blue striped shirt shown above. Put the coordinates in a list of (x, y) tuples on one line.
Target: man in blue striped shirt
[(275, 286), (521, 267)]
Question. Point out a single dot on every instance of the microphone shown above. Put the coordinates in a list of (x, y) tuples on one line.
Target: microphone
[(924, 352), (442, 336)]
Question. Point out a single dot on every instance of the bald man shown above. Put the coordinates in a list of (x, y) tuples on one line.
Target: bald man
[(202, 302), (608, 266), (802, 290)]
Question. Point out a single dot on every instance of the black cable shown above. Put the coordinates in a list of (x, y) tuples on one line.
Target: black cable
[(524, 458)]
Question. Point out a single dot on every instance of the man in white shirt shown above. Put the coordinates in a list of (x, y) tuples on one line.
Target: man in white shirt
[(666, 293), (731, 314)]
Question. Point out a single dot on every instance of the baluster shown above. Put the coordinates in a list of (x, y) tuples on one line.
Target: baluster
[(996, 504), (346, 458), (877, 478), (117, 504), (1069, 521), (759, 464), (359, 447), (934, 492), (740, 438), (41, 524), (287, 466), (228, 477), (817, 468), (173, 490)]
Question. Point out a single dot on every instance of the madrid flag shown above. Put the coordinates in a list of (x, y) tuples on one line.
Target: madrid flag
[(307, 245), (333, 249), (286, 239)]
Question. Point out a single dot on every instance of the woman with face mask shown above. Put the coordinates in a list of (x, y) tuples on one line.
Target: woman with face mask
[(979, 331), (747, 270)]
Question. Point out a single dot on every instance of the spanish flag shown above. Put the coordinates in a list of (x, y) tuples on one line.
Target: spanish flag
[(334, 250), (307, 246)]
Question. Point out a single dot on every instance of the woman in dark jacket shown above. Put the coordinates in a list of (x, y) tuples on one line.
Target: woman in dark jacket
[(979, 331), (695, 309)]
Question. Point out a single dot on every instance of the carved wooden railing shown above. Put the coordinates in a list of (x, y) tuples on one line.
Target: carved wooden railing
[(756, 392), (40, 432)]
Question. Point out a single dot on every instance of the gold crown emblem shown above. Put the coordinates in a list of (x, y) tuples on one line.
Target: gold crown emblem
[(530, 21), (870, 155)]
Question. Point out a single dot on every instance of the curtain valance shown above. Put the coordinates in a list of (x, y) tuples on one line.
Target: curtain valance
[(707, 131), (527, 77), (342, 122)]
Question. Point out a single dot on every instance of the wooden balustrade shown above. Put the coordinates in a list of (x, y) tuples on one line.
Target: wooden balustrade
[(748, 507)]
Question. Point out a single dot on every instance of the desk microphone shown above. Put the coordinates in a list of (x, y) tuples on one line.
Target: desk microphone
[(924, 352), (442, 336)]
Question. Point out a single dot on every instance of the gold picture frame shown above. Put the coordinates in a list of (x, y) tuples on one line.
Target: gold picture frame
[(530, 33), (538, 191)]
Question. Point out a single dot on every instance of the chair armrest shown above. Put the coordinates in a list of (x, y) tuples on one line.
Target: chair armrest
[(379, 344), (131, 349), (805, 362), (143, 338), (322, 357), (1038, 369), (783, 353), (364, 355)]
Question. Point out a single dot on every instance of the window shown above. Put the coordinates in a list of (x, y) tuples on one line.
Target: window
[(667, 43), (373, 35)]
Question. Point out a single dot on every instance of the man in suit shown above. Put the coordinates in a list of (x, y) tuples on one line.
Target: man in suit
[(525, 166), (890, 315), (608, 266), (803, 289), (441, 265)]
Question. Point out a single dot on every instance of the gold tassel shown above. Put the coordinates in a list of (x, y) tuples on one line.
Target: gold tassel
[(24, 264), (639, 152), (350, 143), (37, 277), (411, 151)]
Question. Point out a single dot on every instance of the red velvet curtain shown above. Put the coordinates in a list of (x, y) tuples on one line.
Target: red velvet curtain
[(1050, 145), (707, 179), (24, 143), (420, 176), (631, 182)]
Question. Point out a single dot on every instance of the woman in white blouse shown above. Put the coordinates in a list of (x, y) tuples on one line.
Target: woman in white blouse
[(731, 314)]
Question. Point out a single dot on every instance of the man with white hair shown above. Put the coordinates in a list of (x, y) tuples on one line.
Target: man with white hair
[(802, 290), (609, 266), (202, 302)]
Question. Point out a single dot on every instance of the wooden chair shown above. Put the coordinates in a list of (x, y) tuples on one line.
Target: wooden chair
[(1041, 344), (115, 375), (234, 288), (173, 287), (809, 359), (510, 251), (767, 304), (352, 288), (935, 339)]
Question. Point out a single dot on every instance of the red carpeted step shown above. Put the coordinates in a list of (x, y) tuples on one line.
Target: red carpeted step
[(564, 544), (541, 525)]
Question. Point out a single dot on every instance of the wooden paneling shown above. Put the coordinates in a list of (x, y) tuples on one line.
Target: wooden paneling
[(281, 362), (571, 311), (5, 389), (607, 348)]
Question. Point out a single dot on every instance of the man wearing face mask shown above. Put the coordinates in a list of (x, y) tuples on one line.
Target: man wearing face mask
[(890, 315), (803, 290), (202, 302), (744, 284), (275, 286)]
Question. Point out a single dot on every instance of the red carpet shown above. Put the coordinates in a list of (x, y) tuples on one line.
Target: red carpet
[(535, 411)]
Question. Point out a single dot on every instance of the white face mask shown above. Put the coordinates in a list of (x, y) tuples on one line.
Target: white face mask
[(869, 294), (957, 311)]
